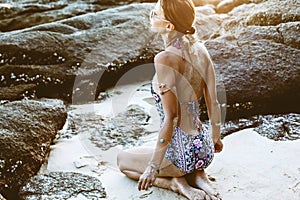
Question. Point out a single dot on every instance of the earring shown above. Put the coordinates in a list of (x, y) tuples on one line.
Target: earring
[(169, 27)]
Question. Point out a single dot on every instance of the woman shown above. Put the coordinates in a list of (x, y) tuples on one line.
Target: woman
[(184, 72)]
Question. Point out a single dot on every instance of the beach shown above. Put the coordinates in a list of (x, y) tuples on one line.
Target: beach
[(249, 167), (74, 79)]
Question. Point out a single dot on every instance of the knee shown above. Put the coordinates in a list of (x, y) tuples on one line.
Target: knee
[(121, 161)]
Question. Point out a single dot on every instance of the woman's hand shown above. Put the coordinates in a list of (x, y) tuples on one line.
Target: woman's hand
[(216, 138), (147, 179), (218, 146)]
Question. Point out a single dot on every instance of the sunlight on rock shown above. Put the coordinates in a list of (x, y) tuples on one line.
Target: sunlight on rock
[(5, 5)]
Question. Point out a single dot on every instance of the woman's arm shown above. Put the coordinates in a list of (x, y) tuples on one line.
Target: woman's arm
[(166, 76), (212, 104)]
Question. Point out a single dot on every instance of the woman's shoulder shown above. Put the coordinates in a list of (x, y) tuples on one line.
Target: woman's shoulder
[(166, 58)]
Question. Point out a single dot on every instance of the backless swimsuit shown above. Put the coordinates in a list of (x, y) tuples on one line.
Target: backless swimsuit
[(188, 152)]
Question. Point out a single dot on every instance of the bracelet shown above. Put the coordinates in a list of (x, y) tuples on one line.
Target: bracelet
[(153, 166), (215, 123)]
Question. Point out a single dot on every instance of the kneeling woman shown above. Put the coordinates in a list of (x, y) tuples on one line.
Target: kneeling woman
[(184, 74)]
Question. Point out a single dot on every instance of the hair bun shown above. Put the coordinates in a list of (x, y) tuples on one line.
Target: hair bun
[(192, 30)]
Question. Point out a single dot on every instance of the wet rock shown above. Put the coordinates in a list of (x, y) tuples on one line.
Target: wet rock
[(2, 198), (233, 126), (123, 129), (63, 185), (76, 53), (276, 127), (280, 127), (27, 129), (18, 92), (103, 96)]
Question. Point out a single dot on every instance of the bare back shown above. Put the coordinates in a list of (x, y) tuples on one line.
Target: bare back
[(189, 85)]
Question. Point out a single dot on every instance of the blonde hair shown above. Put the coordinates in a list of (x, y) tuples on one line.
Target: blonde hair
[(181, 13)]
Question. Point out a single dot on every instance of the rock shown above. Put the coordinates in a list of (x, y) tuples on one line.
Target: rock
[(208, 23), (63, 185), (260, 59), (75, 53), (227, 5), (287, 31), (280, 127), (84, 55), (20, 15), (18, 92), (2, 198), (233, 126), (274, 12), (204, 10), (255, 76), (205, 2), (123, 129), (27, 129)]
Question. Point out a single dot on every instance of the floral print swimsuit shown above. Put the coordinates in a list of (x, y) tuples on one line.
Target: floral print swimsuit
[(188, 152)]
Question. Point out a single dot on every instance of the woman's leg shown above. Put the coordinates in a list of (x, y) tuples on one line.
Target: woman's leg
[(199, 180), (134, 161)]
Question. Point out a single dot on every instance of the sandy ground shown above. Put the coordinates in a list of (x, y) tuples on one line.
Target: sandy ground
[(250, 167)]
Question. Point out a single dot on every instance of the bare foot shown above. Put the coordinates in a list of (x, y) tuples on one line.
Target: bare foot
[(195, 194), (204, 184), (181, 186), (200, 180)]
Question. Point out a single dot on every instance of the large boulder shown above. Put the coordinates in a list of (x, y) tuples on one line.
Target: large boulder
[(23, 14), (27, 128), (63, 185), (227, 5), (274, 12), (74, 53), (77, 58), (205, 2), (258, 64)]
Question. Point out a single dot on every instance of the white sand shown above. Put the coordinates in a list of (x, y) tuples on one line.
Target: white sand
[(250, 167)]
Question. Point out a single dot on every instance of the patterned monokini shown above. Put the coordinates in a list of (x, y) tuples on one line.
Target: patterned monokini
[(188, 152)]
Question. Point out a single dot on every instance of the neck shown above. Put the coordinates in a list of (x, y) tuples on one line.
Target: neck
[(170, 37)]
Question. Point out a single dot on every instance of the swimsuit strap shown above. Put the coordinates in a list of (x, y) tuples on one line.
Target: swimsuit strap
[(177, 43), (193, 109)]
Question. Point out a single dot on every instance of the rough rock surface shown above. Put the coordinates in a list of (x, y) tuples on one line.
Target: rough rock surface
[(73, 53), (280, 127), (63, 186), (16, 14), (275, 127), (27, 129), (258, 65), (255, 49), (106, 132), (274, 12)]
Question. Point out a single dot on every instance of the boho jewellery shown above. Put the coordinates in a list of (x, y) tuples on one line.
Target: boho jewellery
[(154, 167), (215, 123), (162, 140), (161, 87)]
